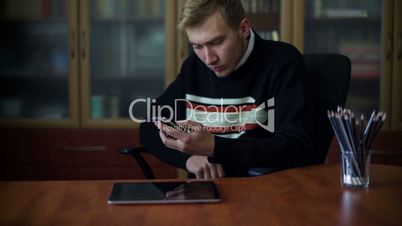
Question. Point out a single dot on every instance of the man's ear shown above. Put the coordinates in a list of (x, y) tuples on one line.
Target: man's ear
[(244, 28)]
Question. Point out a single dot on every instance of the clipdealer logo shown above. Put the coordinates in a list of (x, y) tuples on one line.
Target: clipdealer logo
[(268, 122), (263, 115)]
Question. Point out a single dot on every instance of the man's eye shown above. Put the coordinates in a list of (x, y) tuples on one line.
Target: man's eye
[(196, 47), (217, 42)]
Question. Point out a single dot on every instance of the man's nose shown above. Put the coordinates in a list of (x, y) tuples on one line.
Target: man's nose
[(210, 56)]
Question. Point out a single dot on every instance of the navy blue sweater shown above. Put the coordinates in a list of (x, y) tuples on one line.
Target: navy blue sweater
[(274, 73)]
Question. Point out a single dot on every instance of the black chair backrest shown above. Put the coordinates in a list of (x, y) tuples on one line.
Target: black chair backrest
[(330, 78)]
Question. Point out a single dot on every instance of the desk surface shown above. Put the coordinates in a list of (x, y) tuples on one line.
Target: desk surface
[(304, 196)]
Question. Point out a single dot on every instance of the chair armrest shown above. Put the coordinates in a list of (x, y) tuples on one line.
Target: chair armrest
[(135, 152)]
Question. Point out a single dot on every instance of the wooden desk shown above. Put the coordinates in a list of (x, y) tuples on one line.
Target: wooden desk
[(305, 196)]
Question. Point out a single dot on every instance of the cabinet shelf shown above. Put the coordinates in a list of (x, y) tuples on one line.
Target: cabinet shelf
[(130, 20), (37, 85), (146, 76), (351, 22), (35, 27), (48, 20), (17, 76)]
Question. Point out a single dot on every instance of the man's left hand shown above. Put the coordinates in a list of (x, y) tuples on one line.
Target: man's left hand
[(192, 138)]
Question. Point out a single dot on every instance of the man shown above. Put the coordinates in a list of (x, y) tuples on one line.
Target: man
[(246, 102)]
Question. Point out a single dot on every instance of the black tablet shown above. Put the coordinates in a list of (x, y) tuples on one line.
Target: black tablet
[(164, 192)]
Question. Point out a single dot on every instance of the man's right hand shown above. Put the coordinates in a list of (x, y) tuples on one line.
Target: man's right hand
[(203, 169)]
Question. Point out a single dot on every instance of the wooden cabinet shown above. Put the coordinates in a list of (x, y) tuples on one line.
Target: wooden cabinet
[(70, 63), (69, 70), (37, 73), (369, 33), (71, 154)]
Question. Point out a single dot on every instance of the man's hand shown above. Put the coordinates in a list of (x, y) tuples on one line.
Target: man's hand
[(203, 169), (192, 139)]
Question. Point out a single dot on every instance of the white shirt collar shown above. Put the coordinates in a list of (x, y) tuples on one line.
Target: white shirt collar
[(248, 51)]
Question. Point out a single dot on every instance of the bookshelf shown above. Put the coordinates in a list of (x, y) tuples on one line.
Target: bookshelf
[(69, 70), (264, 17), (86, 49), (33, 51), (368, 32), (353, 29)]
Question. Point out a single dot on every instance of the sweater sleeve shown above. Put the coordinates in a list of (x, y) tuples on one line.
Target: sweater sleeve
[(149, 133), (291, 143)]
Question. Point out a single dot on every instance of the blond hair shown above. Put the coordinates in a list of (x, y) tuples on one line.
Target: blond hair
[(195, 12)]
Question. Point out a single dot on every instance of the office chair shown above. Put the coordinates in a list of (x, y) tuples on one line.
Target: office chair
[(330, 78)]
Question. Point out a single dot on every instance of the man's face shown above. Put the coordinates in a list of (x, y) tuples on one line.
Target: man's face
[(217, 45)]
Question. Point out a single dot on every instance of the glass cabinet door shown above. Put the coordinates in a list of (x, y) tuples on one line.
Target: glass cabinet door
[(127, 55), (352, 28), (264, 17), (34, 65)]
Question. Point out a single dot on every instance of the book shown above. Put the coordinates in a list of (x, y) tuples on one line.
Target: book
[(364, 56)]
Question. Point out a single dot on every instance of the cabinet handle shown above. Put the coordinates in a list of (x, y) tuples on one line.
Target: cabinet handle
[(72, 51), (400, 46), (82, 148), (389, 46), (83, 39)]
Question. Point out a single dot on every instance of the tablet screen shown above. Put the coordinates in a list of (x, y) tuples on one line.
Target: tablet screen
[(164, 192)]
